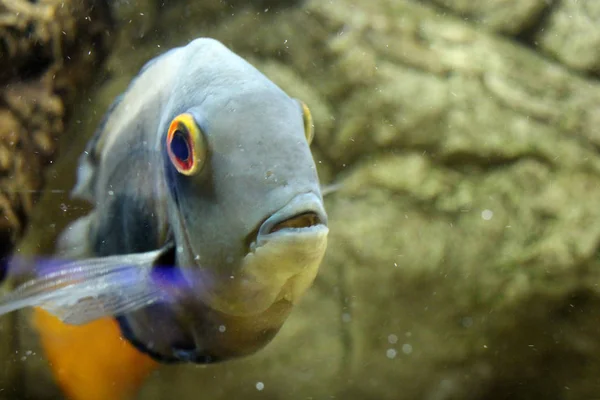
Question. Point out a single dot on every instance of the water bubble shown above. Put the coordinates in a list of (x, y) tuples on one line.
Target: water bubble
[(260, 386), (407, 348), (487, 214), (391, 353), (393, 339), (222, 328)]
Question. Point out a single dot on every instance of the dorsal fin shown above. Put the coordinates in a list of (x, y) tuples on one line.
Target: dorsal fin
[(90, 159)]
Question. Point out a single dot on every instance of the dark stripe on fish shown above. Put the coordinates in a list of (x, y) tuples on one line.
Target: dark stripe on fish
[(137, 232), (3, 268), (5, 250)]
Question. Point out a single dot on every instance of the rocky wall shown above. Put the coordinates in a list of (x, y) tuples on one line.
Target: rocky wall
[(463, 257), (48, 49)]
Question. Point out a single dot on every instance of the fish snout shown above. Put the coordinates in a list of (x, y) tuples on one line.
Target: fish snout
[(304, 212)]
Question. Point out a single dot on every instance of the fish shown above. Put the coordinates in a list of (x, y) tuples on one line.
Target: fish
[(208, 223)]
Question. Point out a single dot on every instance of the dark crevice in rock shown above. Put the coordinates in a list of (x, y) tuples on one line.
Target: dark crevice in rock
[(527, 36), (466, 162)]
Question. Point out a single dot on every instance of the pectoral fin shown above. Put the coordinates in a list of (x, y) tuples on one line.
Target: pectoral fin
[(82, 291), (331, 188)]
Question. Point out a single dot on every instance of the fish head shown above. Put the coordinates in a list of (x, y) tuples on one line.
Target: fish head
[(245, 209)]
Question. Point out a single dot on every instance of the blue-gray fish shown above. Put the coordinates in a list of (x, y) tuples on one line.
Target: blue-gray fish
[(208, 222)]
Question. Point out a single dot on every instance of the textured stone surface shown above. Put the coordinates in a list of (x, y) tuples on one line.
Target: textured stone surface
[(506, 16), (571, 33), (463, 257), (47, 49), (566, 30)]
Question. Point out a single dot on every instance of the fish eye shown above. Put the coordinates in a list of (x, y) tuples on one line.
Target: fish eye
[(309, 128), (185, 145)]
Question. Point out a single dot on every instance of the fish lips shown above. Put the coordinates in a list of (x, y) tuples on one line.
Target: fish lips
[(304, 214)]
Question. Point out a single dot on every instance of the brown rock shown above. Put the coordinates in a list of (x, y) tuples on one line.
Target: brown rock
[(48, 48)]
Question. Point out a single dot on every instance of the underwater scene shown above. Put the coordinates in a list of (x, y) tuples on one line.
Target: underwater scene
[(299, 199)]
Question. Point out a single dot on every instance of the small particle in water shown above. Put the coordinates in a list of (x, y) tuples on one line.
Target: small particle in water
[(346, 317), (393, 339), (407, 348), (111, 193), (487, 214), (260, 386), (197, 257), (467, 322), (63, 207), (28, 352), (222, 328), (391, 353)]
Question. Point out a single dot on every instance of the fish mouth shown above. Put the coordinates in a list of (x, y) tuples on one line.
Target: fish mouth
[(304, 213), (304, 220)]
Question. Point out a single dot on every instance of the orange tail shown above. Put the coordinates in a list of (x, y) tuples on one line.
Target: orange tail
[(91, 362)]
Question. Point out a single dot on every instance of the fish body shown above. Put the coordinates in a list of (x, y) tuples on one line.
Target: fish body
[(208, 222)]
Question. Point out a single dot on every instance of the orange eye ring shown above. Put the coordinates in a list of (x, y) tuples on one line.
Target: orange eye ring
[(185, 145)]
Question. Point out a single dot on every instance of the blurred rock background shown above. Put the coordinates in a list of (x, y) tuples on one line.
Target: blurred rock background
[(463, 260), (49, 49)]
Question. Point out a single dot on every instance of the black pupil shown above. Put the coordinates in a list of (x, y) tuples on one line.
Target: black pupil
[(179, 146)]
